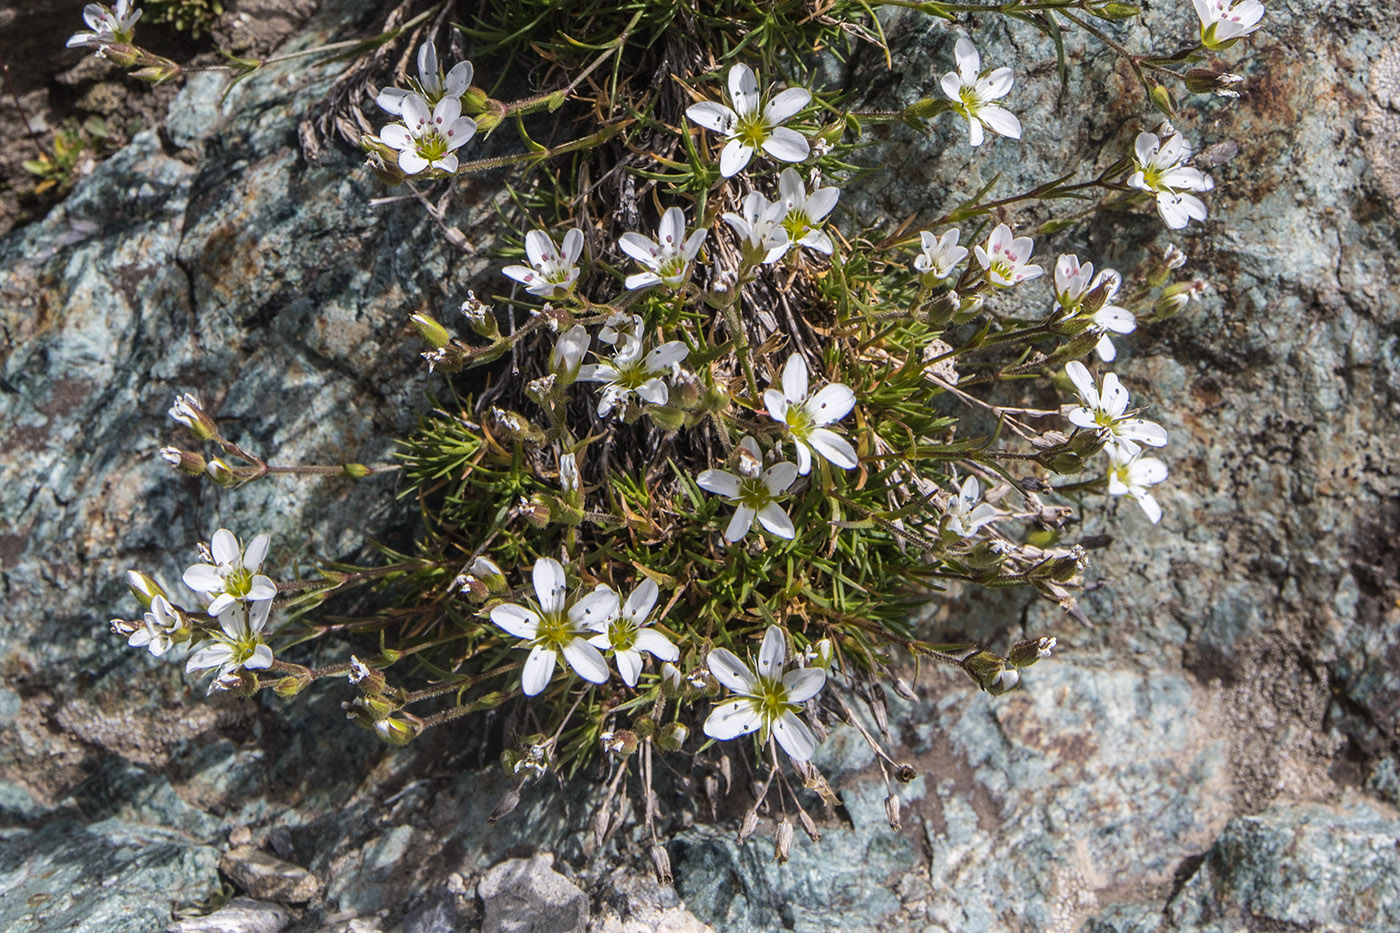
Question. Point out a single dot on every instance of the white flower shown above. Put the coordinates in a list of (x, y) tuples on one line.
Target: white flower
[(191, 414), (108, 24), (1008, 678), (1225, 22), (972, 92), (552, 270), (429, 138), (805, 212), (238, 646), (229, 574), (1045, 646), (750, 125), (668, 259), (567, 356), (1074, 280), (1107, 410), (1161, 169), (1007, 260), (760, 228), (160, 630), (629, 373), (754, 495), (551, 627), (768, 699), (964, 514), (940, 254), (568, 473), (628, 634), (431, 85), (806, 416), (1131, 475)]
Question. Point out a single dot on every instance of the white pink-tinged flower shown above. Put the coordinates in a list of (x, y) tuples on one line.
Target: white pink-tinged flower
[(767, 700), (939, 255), (229, 574), (1006, 259), (806, 211), (551, 626), (667, 258), (750, 125), (965, 514), (1106, 409), (807, 415), (237, 646), (1160, 168), (553, 270), (1225, 22), (760, 228), (106, 24), (754, 495), (566, 359), (630, 373), (428, 138), (629, 633), (432, 85), (1130, 475), (161, 629), (1074, 280), (973, 90)]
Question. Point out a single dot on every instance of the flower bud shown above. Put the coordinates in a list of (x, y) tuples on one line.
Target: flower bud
[(940, 307), (992, 673), (644, 727), (672, 680), (1115, 9), (490, 117), (1177, 296), (1162, 100), (187, 462), (143, 588), (291, 685), (219, 470), (672, 736), (188, 412), (489, 572), (1204, 81), (686, 390), (716, 399), (430, 330), (1026, 653), (474, 100), (400, 730), (480, 318), (665, 417), (567, 355)]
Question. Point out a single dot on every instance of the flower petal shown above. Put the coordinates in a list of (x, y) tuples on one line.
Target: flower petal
[(743, 89), (734, 158), (772, 653), (257, 552), (1146, 432), (719, 482), (833, 447), (1083, 383), (712, 116), (516, 620), (778, 477), (550, 585), (772, 517), (739, 524), (595, 610), (730, 671), (832, 403), (653, 642), (641, 601), (629, 665), (785, 105), (804, 683), (1114, 398), (732, 719), (203, 578), (539, 668), (224, 547), (795, 379), (588, 662), (786, 145), (794, 736)]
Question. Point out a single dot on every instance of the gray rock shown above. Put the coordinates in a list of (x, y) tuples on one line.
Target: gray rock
[(529, 896), (267, 878), (240, 915)]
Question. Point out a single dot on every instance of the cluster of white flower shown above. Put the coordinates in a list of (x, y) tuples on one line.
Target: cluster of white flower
[(1104, 409), (106, 25), (233, 592), (432, 127)]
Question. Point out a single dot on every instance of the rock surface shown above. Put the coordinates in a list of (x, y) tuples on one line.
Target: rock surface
[(1218, 752)]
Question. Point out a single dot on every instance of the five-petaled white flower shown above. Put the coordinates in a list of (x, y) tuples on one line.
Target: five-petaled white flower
[(806, 416), (753, 495), (1160, 168), (760, 228), (750, 125), (668, 258), (552, 270), (1007, 259), (429, 138), (1225, 22), (630, 373), (1074, 280), (239, 645), (1131, 475), (628, 634), (1106, 409), (107, 24), (964, 514), (973, 90), (432, 85), (940, 255), (806, 211), (551, 627), (161, 629), (229, 574), (767, 699)]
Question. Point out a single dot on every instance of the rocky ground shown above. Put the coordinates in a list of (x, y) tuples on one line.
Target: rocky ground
[(1217, 751)]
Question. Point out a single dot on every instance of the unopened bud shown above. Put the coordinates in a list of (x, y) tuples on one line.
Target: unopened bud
[(782, 841), (1117, 10), (143, 588), (1162, 100), (400, 730), (686, 389), (672, 680), (187, 462), (666, 417), (489, 572), (188, 412), (1177, 296), (940, 307), (1098, 295), (672, 736), (430, 330), (291, 685), (644, 727), (219, 470), (992, 673)]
